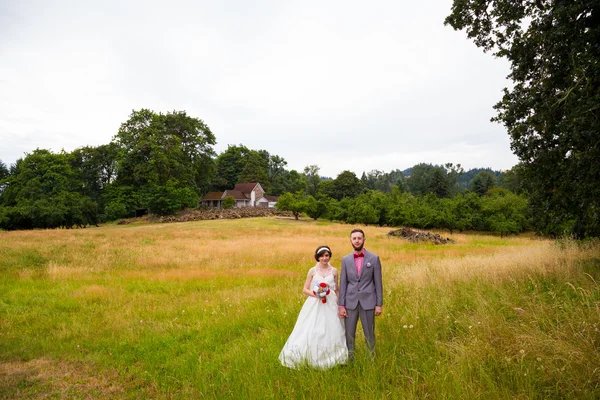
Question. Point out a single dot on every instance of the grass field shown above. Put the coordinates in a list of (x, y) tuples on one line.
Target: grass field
[(202, 310)]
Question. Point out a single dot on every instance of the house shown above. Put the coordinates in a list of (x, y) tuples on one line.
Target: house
[(245, 195)]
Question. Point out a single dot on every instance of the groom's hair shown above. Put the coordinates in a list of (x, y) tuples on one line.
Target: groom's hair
[(358, 230)]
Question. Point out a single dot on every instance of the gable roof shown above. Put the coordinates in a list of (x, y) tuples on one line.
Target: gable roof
[(272, 198), (247, 187), (236, 194), (212, 196)]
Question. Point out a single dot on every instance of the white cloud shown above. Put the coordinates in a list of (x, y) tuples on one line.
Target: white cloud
[(342, 84)]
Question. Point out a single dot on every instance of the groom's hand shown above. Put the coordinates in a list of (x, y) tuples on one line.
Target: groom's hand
[(378, 311), (342, 312)]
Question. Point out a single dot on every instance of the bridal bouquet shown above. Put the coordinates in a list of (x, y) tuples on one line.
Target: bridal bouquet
[(321, 290)]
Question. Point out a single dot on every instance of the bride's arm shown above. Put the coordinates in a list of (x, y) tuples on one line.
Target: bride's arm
[(336, 280), (306, 289)]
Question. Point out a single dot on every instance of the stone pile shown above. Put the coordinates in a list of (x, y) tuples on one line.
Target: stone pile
[(416, 236), (217, 213)]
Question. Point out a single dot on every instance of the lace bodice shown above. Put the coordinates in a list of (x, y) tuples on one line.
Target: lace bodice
[(329, 279)]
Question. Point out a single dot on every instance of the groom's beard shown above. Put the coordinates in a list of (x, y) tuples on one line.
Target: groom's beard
[(358, 248)]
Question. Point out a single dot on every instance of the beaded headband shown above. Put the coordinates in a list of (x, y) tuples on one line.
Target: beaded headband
[(323, 248)]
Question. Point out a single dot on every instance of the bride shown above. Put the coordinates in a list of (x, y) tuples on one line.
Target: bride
[(318, 338)]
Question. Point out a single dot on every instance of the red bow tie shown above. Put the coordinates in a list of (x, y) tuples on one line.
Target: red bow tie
[(359, 255)]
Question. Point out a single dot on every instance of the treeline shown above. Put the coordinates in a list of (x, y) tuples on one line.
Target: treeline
[(165, 162), (429, 198)]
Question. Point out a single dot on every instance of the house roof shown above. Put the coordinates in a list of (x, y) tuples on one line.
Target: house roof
[(272, 198), (236, 194), (246, 187), (212, 196)]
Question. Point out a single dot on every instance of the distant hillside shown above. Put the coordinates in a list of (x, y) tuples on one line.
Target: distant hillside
[(465, 179)]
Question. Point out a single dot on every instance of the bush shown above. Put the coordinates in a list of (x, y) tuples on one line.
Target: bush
[(228, 202)]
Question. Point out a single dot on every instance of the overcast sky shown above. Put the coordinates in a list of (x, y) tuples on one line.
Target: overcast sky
[(345, 85)]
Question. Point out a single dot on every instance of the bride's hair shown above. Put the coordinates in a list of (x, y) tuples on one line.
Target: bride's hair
[(322, 250)]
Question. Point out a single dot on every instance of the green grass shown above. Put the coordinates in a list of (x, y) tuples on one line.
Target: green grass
[(202, 310)]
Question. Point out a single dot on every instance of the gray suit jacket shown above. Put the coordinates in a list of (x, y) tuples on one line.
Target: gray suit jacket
[(366, 289)]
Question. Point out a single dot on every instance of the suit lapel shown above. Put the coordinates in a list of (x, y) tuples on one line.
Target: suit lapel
[(352, 267)]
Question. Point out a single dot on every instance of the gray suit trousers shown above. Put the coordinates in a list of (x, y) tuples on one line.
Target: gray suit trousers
[(367, 320)]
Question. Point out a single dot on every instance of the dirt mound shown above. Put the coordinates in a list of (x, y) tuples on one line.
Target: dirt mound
[(416, 236), (217, 213)]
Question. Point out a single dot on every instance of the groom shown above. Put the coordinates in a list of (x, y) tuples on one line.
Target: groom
[(361, 291)]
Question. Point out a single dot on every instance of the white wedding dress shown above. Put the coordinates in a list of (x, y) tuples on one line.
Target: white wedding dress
[(318, 338)]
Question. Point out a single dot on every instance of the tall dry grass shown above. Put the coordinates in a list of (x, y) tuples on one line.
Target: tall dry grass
[(202, 309)]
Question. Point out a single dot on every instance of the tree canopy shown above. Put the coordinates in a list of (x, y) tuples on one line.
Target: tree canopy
[(552, 112)]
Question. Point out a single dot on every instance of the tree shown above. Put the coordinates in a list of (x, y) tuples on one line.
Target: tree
[(228, 202), (312, 177), (504, 212), (294, 181), (315, 208), (402, 209), (465, 179), (439, 180), (4, 173), (291, 202), (96, 167), (513, 179), (229, 166), (327, 188), (482, 182), (552, 111), (42, 192), (277, 175), (347, 185), (3, 170), (256, 170), (169, 153)]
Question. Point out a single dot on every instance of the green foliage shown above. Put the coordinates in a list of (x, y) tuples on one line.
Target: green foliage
[(170, 198), (439, 180), (157, 148), (483, 182), (504, 212), (466, 178), (311, 174), (347, 185), (120, 201), (383, 182), (228, 202), (291, 202), (43, 192), (95, 168), (256, 170), (403, 208), (551, 111), (315, 208), (4, 172), (513, 179), (229, 166), (294, 182)]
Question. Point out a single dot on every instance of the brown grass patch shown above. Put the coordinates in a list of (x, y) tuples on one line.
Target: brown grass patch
[(507, 263), (37, 379)]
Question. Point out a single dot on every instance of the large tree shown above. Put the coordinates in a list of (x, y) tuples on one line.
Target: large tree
[(4, 173), (256, 170), (44, 192), (311, 172), (483, 182), (96, 167), (168, 153), (552, 112)]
